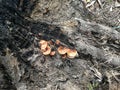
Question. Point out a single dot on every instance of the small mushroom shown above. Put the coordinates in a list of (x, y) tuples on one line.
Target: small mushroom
[(52, 53), (43, 44), (62, 50), (47, 50), (72, 53), (57, 42)]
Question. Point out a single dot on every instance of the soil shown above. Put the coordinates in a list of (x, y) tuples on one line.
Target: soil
[(93, 31)]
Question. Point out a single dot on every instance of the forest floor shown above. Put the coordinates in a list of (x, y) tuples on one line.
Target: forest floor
[(92, 27)]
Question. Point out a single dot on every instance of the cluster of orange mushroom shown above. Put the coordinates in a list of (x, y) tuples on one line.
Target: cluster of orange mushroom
[(64, 51)]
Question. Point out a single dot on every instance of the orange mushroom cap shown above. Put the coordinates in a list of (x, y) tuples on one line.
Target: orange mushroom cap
[(57, 42), (42, 41), (43, 44), (52, 53), (62, 50), (47, 50), (72, 53)]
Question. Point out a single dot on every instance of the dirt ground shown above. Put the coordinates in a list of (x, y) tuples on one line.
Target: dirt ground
[(92, 27)]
